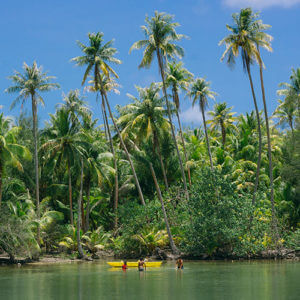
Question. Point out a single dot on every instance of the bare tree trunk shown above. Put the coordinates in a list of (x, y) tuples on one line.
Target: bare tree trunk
[(70, 194), (87, 214), (80, 250), (126, 152), (36, 162), (259, 136), (206, 136), (161, 68), (184, 149), (269, 145), (172, 244), (157, 146)]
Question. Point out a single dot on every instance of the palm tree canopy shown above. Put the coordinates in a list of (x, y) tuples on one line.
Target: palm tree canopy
[(246, 34), (30, 83), (160, 34), (146, 114), (221, 115), (286, 111), (177, 77), (10, 150), (97, 55), (200, 91)]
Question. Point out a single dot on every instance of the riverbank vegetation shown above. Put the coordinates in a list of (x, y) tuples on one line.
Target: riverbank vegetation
[(133, 181)]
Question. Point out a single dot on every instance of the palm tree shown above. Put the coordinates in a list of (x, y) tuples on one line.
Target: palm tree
[(64, 145), (29, 85), (263, 39), (178, 78), (10, 150), (292, 89), (286, 112), (98, 56), (200, 91), (241, 39), (222, 118), (160, 35), (145, 116)]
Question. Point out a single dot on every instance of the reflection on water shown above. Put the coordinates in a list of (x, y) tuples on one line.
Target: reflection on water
[(199, 280)]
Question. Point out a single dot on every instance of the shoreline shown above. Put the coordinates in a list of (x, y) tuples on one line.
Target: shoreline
[(271, 255)]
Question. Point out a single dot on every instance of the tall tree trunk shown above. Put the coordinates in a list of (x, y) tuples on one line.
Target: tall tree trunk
[(172, 244), (206, 136), (87, 214), (82, 216), (259, 135), (116, 189), (157, 146), (80, 250), (223, 134), (70, 194), (269, 145), (36, 162), (184, 149), (126, 151), (1, 174), (116, 194), (104, 117), (161, 69)]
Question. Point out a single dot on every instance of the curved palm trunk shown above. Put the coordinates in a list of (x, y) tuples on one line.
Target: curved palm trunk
[(79, 201), (126, 152), (206, 136), (269, 144), (70, 194), (116, 190), (36, 162), (157, 146), (259, 135), (172, 244), (160, 65), (183, 145)]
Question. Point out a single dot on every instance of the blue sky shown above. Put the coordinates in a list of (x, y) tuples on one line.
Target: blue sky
[(46, 31)]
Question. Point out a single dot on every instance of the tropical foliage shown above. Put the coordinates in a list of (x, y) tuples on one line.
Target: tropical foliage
[(242, 190)]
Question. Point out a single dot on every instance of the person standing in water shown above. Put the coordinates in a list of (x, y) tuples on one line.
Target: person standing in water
[(141, 265), (179, 263)]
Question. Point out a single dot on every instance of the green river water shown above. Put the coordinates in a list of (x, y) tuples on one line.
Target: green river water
[(198, 280)]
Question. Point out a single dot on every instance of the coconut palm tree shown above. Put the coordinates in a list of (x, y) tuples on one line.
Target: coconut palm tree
[(29, 85), (179, 78), (263, 40), (292, 89), (98, 56), (286, 112), (200, 92), (145, 116), (160, 37), (64, 146), (10, 150), (241, 40), (222, 118)]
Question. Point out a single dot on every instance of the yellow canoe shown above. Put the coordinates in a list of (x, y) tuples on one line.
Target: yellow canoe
[(132, 264)]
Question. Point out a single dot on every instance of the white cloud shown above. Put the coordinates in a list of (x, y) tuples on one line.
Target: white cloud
[(259, 4), (191, 115)]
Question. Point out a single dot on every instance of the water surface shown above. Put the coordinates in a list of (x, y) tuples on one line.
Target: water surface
[(198, 280)]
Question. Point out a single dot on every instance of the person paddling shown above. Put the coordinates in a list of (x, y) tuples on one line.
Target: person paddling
[(179, 263), (124, 266), (141, 265)]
